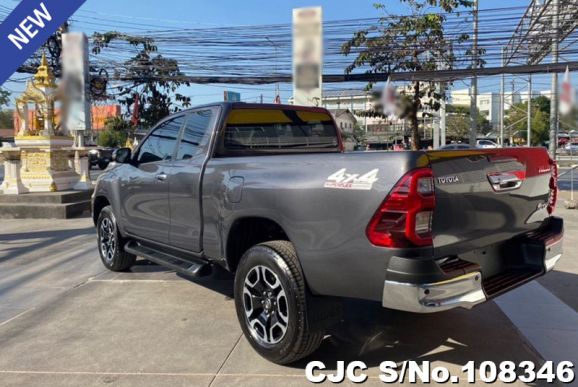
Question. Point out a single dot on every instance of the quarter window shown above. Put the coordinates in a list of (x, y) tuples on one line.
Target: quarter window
[(160, 145), (197, 125)]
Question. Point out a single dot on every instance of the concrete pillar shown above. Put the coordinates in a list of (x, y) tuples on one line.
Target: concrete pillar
[(83, 169), (12, 184)]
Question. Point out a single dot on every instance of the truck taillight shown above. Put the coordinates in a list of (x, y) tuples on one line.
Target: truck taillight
[(553, 187), (404, 219)]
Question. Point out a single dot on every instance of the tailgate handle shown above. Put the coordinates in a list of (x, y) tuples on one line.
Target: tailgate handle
[(505, 181)]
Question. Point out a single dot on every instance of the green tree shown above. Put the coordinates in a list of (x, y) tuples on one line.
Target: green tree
[(154, 78), (7, 119), (516, 120), (458, 122), (542, 103), (115, 133), (6, 115), (4, 97), (415, 42)]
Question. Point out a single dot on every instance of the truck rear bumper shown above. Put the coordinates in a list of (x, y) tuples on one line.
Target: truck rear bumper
[(467, 288), (464, 291)]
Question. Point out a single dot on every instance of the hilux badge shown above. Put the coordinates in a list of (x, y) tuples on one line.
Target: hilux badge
[(448, 179)]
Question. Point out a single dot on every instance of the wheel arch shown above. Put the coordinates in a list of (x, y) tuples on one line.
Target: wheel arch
[(99, 203), (247, 232)]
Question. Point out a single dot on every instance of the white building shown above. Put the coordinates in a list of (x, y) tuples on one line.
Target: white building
[(535, 94), (344, 119), (488, 103), (355, 101)]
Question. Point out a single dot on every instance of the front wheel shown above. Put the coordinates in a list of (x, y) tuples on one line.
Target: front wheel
[(271, 303), (111, 244)]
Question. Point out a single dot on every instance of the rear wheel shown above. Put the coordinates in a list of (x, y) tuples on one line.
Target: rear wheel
[(102, 164), (271, 303), (111, 244)]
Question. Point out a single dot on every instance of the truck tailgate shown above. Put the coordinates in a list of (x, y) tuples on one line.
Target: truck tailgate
[(489, 195)]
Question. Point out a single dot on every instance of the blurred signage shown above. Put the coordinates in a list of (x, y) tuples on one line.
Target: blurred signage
[(231, 96), (307, 56), (567, 94), (76, 105)]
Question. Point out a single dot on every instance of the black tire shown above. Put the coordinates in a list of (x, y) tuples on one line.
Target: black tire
[(111, 243), (102, 165), (298, 340)]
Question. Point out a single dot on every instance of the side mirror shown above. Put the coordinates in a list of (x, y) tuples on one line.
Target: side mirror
[(122, 155)]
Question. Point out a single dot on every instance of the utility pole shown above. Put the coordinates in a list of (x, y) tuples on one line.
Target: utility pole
[(529, 132), (439, 127), (554, 94), (502, 98), (276, 63), (474, 90), (443, 119)]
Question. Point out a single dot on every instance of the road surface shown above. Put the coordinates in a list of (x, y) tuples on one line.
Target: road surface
[(66, 321)]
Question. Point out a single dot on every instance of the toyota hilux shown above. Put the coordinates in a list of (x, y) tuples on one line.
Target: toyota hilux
[(267, 192)]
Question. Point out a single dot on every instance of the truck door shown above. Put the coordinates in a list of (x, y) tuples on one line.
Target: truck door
[(185, 177), (145, 191)]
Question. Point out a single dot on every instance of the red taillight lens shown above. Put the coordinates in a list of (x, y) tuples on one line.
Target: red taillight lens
[(553, 187), (404, 219)]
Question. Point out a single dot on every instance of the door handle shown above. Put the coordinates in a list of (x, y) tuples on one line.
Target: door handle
[(505, 181), (161, 176)]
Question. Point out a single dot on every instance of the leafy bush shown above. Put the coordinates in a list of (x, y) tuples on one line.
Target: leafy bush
[(115, 133), (112, 138)]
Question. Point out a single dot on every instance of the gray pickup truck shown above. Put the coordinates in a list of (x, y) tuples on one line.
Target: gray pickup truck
[(266, 192)]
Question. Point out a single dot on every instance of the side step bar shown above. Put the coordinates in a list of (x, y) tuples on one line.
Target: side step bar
[(178, 264)]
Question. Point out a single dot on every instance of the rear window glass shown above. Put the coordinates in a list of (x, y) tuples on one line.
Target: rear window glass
[(278, 131)]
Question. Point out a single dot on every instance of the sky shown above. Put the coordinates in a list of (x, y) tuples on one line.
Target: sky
[(213, 13), (237, 12)]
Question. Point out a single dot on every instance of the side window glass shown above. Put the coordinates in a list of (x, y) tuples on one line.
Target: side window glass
[(160, 145), (198, 123)]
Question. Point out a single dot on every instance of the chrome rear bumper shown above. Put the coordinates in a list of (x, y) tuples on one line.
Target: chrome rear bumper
[(464, 291), (550, 262), (540, 250)]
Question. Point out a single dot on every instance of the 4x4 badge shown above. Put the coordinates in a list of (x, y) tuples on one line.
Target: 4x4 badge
[(343, 180)]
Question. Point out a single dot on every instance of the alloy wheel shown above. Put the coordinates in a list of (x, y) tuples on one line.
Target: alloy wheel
[(266, 306), (107, 239)]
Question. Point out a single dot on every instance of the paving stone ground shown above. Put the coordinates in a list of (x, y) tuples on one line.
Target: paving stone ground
[(66, 321)]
